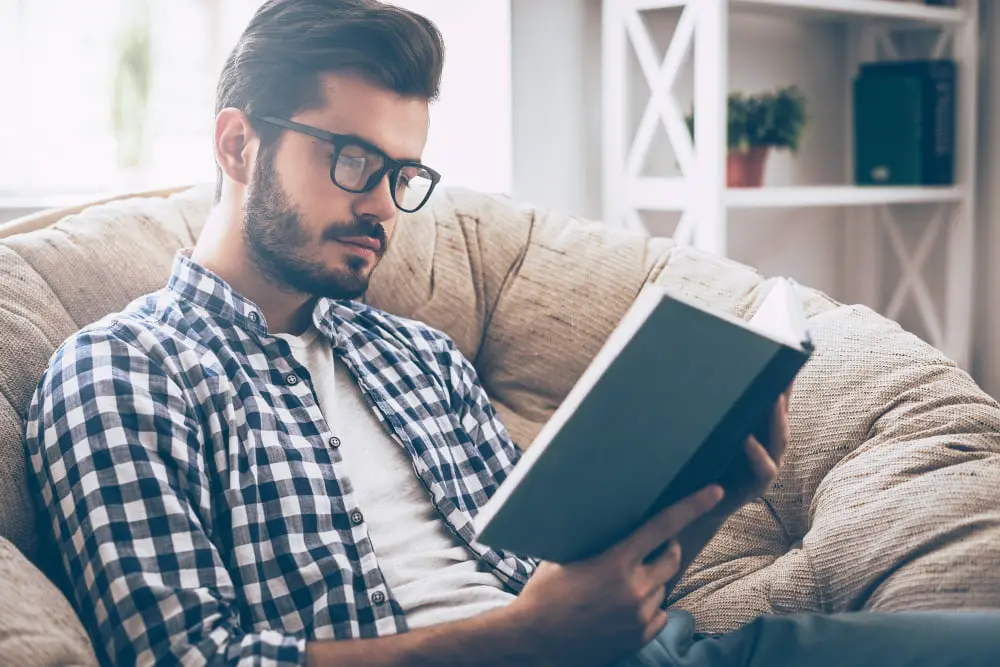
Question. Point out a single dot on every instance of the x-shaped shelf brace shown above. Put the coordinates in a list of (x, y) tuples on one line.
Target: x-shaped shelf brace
[(662, 106), (911, 281)]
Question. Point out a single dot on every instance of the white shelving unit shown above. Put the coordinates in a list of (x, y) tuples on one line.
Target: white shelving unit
[(700, 194)]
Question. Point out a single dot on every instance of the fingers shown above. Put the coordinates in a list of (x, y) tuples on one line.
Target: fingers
[(655, 627), (665, 567), (788, 391), (670, 521), (765, 460), (653, 602), (762, 466), (779, 431)]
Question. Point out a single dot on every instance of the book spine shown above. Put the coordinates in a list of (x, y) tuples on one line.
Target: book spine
[(939, 131), (936, 112)]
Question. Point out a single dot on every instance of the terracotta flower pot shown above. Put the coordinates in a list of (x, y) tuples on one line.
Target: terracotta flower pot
[(746, 169)]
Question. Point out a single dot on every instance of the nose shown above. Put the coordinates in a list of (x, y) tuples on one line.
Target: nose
[(377, 202)]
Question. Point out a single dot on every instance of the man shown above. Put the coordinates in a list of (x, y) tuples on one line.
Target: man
[(248, 467)]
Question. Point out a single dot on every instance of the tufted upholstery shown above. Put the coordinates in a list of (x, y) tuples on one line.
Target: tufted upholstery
[(889, 497)]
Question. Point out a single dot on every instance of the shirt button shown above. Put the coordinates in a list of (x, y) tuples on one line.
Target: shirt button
[(335, 442), (378, 597), (253, 316), (292, 379), (357, 518)]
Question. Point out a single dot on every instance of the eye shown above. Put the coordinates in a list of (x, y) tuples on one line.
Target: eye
[(350, 171), (413, 185), (408, 175)]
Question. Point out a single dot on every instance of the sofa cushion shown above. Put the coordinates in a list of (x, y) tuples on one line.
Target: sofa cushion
[(37, 625), (888, 496), (32, 324)]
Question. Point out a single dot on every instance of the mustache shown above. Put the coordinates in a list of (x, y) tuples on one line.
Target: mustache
[(369, 227)]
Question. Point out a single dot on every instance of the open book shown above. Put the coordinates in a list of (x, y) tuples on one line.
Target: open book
[(659, 413)]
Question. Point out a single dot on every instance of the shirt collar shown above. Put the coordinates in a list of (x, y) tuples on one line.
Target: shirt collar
[(206, 289)]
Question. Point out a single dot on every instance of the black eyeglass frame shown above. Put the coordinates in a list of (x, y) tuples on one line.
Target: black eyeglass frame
[(340, 141)]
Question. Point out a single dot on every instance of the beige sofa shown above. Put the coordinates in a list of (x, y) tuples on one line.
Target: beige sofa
[(889, 498)]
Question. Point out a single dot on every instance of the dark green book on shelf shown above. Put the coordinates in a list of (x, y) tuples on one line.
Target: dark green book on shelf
[(661, 411), (904, 123)]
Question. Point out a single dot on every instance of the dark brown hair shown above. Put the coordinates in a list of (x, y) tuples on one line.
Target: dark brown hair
[(274, 68)]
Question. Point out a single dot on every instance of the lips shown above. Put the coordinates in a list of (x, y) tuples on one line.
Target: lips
[(367, 242)]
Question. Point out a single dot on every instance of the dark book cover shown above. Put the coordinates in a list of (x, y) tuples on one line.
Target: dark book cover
[(887, 131), (661, 411), (905, 123)]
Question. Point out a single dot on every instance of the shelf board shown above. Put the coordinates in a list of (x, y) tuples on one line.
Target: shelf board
[(885, 10), (839, 195), (662, 194), (889, 11)]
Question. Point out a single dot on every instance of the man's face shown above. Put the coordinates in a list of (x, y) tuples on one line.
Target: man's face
[(305, 233)]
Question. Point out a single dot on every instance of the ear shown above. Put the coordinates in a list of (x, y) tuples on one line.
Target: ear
[(235, 145)]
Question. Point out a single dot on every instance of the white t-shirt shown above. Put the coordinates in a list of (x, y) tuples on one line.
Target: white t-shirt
[(433, 576)]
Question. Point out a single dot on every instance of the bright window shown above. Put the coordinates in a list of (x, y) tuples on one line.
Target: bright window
[(66, 66)]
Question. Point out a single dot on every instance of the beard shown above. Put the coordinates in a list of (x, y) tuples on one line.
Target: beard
[(278, 242)]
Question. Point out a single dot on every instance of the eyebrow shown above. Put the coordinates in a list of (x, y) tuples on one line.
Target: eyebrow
[(371, 145)]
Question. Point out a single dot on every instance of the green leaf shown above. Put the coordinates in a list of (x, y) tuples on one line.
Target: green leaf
[(775, 119)]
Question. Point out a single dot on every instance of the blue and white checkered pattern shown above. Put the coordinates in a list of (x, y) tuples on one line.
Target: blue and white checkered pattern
[(199, 498)]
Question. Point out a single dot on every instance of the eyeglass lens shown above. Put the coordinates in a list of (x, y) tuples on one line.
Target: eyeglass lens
[(357, 169)]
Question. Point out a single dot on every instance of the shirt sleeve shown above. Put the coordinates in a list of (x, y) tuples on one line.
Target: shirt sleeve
[(478, 416), (124, 485)]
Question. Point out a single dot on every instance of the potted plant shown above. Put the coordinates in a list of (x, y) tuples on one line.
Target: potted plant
[(756, 124)]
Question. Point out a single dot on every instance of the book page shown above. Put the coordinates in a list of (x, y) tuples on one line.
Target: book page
[(777, 315)]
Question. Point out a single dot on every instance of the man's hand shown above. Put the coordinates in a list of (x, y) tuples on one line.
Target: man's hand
[(751, 475), (598, 610), (748, 477)]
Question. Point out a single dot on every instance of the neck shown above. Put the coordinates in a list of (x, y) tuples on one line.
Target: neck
[(221, 248)]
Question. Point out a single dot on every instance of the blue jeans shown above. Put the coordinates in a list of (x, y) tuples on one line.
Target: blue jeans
[(910, 639)]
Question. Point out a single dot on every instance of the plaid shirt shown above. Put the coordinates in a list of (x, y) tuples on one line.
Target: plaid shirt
[(198, 495)]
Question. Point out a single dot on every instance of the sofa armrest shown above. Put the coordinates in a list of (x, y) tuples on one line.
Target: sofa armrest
[(909, 518), (887, 498), (38, 627)]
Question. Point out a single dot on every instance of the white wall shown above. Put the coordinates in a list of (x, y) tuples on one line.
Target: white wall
[(557, 116), (557, 103)]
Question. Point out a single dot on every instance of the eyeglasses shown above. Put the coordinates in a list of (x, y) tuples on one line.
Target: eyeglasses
[(358, 166)]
